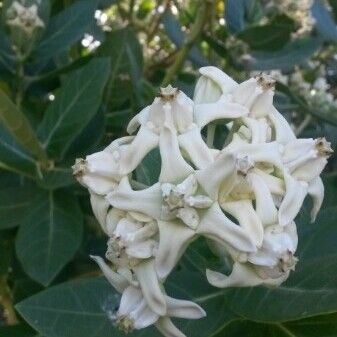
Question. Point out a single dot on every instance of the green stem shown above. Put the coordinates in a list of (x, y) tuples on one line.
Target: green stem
[(210, 134), (196, 30), (6, 302)]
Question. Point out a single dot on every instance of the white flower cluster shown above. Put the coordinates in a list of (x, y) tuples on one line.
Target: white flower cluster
[(24, 17), (243, 197)]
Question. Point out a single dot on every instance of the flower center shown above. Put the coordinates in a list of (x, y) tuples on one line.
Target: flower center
[(115, 248), (79, 168), (125, 324), (287, 262), (265, 82), (168, 93), (244, 164), (323, 147)]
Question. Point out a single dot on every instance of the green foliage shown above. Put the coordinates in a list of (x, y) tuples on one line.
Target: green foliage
[(62, 97)]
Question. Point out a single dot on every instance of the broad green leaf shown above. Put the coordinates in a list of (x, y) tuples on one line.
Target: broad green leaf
[(235, 15), (320, 326), (7, 57), (50, 235), (293, 53), (19, 127), (14, 206), (177, 36), (324, 21), (13, 157), (66, 28), (148, 170), (330, 184), (126, 57), (75, 105), (84, 308), (56, 177), (271, 36)]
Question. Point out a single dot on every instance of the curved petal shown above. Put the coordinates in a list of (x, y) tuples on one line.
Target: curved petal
[(138, 120), (146, 201), (293, 199), (131, 298), (246, 92), (100, 207), (259, 130), (218, 176), (150, 286), (316, 191), (174, 168), (192, 143), (209, 112), (310, 168), (113, 217), (244, 212), (173, 241), (132, 154), (216, 226), (262, 105), (167, 328), (183, 309), (145, 318), (119, 282), (283, 131), (265, 207), (275, 185)]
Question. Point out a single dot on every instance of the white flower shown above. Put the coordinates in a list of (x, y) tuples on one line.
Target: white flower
[(270, 265), (26, 18), (135, 311)]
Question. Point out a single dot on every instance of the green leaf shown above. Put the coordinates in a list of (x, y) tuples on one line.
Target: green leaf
[(50, 236), (322, 326), (66, 28), (325, 24), (235, 15), (56, 177), (271, 36), (15, 202), (13, 156), (293, 53), (19, 127), (75, 105), (126, 56)]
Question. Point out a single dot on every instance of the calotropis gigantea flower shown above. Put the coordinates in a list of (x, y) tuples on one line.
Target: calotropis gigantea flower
[(23, 17), (243, 198), (270, 265), (134, 311)]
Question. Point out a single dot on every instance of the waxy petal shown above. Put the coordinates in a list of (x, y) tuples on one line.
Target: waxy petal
[(293, 199), (194, 146), (173, 240), (262, 105), (183, 309), (131, 298), (100, 208), (259, 130), (149, 284), (132, 154), (167, 328), (174, 168), (218, 176), (246, 92), (248, 219), (138, 120), (216, 226), (147, 201), (209, 112), (316, 191), (265, 207), (119, 282), (145, 318), (275, 185), (283, 131)]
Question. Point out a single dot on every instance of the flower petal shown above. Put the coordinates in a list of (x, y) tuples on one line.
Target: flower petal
[(148, 280), (316, 191), (183, 309), (216, 226), (132, 154), (274, 184), (138, 120), (209, 112), (145, 318), (283, 131), (113, 217), (258, 128), (173, 241), (167, 328), (293, 199), (194, 146), (100, 209), (218, 176), (246, 92), (265, 207), (248, 219), (146, 201), (131, 298), (174, 168), (262, 105), (119, 282)]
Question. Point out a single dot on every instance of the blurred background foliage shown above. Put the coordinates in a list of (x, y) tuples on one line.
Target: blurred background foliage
[(69, 85)]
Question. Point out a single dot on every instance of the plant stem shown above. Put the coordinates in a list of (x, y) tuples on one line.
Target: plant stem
[(196, 30), (6, 302), (303, 125)]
